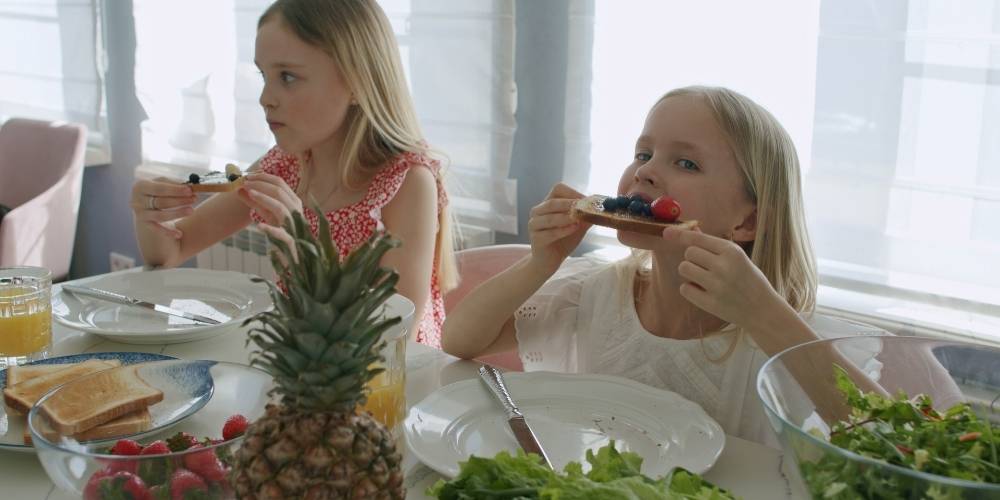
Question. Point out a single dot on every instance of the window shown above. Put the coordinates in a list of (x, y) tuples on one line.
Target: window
[(894, 108), (201, 90), (59, 76)]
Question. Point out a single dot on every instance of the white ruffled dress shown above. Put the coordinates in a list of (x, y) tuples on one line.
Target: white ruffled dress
[(583, 320)]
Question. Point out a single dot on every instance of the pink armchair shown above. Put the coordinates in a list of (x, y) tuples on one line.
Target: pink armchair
[(480, 264), (41, 175)]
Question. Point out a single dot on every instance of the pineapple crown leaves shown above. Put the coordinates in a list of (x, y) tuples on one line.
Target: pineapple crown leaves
[(324, 335)]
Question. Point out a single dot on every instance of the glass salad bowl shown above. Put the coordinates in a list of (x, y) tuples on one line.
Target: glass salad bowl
[(804, 410)]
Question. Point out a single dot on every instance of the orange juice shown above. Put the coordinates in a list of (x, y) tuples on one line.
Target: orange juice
[(387, 401), (25, 321)]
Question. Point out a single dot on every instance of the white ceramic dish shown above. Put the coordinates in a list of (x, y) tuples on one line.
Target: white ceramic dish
[(226, 296), (12, 426), (570, 414)]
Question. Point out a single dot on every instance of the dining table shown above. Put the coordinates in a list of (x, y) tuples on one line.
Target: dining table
[(749, 470)]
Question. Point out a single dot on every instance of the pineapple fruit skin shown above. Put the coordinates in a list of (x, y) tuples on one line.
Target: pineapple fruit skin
[(317, 455)]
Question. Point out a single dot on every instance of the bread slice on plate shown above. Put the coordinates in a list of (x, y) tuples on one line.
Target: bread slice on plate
[(132, 423), (591, 209), (109, 395), (217, 182), (26, 384)]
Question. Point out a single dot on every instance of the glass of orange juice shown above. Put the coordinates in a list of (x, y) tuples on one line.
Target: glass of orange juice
[(387, 396), (25, 314)]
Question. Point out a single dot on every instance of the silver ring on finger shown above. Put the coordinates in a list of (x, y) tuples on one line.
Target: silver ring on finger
[(151, 203)]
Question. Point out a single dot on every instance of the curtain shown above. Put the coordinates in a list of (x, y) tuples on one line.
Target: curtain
[(51, 64), (200, 90)]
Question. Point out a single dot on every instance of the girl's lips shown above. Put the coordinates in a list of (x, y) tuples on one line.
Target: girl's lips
[(645, 197), (275, 125)]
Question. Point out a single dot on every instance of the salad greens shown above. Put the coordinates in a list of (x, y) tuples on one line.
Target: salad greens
[(613, 475), (907, 432)]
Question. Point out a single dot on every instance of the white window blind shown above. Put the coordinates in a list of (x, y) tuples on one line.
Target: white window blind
[(894, 107), (904, 190), (200, 90), (51, 64)]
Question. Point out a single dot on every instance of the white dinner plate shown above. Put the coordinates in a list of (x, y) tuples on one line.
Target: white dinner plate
[(570, 414), (12, 426), (226, 296)]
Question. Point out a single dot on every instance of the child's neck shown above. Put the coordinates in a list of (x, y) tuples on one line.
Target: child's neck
[(663, 311), (325, 178)]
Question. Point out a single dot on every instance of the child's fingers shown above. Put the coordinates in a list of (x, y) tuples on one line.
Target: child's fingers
[(697, 275), (165, 215), (711, 243), (561, 190), (266, 204), (698, 296), (286, 197), (542, 222), (280, 234), (559, 205), (701, 257)]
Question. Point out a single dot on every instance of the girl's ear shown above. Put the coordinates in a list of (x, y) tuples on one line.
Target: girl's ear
[(747, 230)]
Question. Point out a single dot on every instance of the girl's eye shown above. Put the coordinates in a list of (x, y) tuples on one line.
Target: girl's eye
[(643, 157), (287, 77), (687, 164)]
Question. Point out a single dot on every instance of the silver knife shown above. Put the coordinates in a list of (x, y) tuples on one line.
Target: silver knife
[(529, 443), (129, 301)]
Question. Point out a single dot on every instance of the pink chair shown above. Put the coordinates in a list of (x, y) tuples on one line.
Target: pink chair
[(477, 265), (41, 176)]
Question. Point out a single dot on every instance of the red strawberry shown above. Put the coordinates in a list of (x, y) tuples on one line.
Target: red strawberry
[(181, 441), (666, 209), (206, 464), (120, 484), (235, 426), (126, 447), (183, 481), (156, 448), (92, 491)]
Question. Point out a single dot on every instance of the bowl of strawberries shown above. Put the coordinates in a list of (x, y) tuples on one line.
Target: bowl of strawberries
[(191, 419)]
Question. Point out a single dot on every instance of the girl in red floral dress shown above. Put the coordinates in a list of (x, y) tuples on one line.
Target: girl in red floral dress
[(336, 99)]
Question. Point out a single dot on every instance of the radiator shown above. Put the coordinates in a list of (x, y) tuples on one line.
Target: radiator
[(244, 252)]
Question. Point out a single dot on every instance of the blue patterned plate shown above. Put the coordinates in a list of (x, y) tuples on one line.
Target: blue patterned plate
[(187, 386)]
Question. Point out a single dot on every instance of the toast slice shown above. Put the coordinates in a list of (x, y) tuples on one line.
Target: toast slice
[(591, 209), (217, 182), (132, 423), (109, 395), (32, 382)]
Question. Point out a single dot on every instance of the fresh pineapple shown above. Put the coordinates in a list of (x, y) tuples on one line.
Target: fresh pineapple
[(321, 343)]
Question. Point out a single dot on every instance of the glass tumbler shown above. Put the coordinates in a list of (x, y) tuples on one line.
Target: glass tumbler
[(25, 314)]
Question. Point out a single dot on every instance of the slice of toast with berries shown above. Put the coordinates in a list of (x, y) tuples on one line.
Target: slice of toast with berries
[(217, 182), (631, 213)]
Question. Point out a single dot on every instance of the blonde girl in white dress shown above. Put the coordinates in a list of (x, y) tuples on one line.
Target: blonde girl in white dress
[(694, 312)]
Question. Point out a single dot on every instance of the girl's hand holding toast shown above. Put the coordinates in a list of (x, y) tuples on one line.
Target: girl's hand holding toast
[(721, 279), (554, 234), (160, 201), (274, 200), (270, 196)]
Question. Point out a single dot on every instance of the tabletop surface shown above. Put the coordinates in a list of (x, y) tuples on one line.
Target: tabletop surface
[(751, 471)]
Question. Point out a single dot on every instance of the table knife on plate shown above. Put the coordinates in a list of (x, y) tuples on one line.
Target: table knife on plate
[(529, 443), (130, 301)]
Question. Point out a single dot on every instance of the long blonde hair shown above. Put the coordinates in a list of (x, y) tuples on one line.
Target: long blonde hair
[(357, 35), (770, 166)]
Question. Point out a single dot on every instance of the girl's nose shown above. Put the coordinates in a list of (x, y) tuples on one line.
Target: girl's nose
[(266, 99), (643, 176)]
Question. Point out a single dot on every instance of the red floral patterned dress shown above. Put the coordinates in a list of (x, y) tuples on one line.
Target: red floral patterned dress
[(354, 224)]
